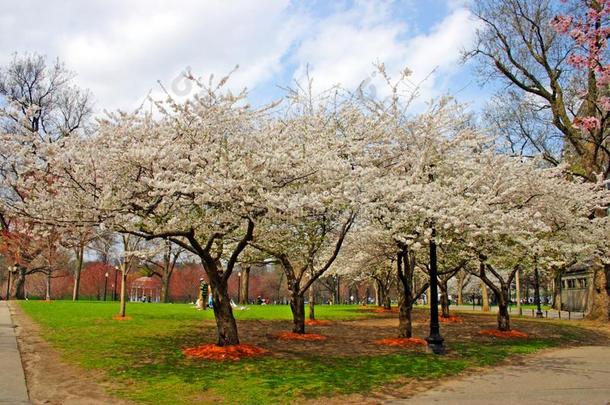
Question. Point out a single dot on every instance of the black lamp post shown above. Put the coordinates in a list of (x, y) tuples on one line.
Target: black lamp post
[(435, 340), (116, 276), (537, 289), (105, 284)]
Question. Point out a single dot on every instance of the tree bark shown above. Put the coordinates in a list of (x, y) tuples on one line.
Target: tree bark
[(461, 278), (405, 326), (79, 267), (18, 286), (312, 303), (503, 317), (297, 306), (165, 280), (405, 265), (245, 286), (557, 291), (599, 297), (377, 295), (502, 296), (387, 304), (444, 301), (484, 298), (225, 321), (338, 291), (48, 286), (123, 303)]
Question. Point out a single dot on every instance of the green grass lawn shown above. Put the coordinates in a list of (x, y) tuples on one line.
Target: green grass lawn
[(142, 358)]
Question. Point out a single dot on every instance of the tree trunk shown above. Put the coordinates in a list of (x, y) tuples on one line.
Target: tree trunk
[(388, 301), (461, 278), (123, 303), (377, 295), (484, 298), (48, 287), (599, 293), (79, 268), (297, 306), (225, 321), (312, 303), (444, 302), (384, 296), (338, 291), (18, 286), (165, 279), (557, 291), (405, 327), (503, 317), (245, 286)]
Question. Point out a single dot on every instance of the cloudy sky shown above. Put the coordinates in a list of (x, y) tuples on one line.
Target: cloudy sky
[(121, 48)]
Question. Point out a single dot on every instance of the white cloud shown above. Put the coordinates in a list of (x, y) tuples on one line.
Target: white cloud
[(344, 50), (120, 48)]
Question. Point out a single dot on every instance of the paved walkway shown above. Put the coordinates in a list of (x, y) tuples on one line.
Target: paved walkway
[(550, 313), (568, 376), (12, 379)]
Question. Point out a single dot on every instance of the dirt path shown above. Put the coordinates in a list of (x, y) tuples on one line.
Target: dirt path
[(49, 379), (579, 375)]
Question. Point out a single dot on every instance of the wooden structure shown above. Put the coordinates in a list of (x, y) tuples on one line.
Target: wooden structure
[(576, 285), (145, 289)]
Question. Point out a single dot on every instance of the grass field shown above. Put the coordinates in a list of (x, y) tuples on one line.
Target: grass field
[(142, 358)]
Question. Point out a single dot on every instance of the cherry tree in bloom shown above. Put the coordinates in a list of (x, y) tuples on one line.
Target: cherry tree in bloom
[(194, 173), (368, 256), (516, 205), (308, 219), (407, 158)]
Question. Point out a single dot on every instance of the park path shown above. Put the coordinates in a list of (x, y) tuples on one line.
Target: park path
[(550, 313), (12, 380), (578, 375)]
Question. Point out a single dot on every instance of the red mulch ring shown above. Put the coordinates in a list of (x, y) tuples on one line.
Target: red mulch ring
[(452, 319), (403, 342), (316, 322), (300, 336), (121, 318), (503, 334), (222, 353)]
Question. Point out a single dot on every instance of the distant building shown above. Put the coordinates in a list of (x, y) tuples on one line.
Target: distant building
[(576, 285), (145, 289)]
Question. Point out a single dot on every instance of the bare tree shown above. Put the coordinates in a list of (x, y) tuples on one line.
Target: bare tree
[(517, 44), (39, 104), (40, 98), (164, 268)]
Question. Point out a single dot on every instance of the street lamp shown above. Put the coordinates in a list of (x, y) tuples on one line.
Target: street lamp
[(435, 340), (116, 276), (537, 289), (105, 285), (239, 287)]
